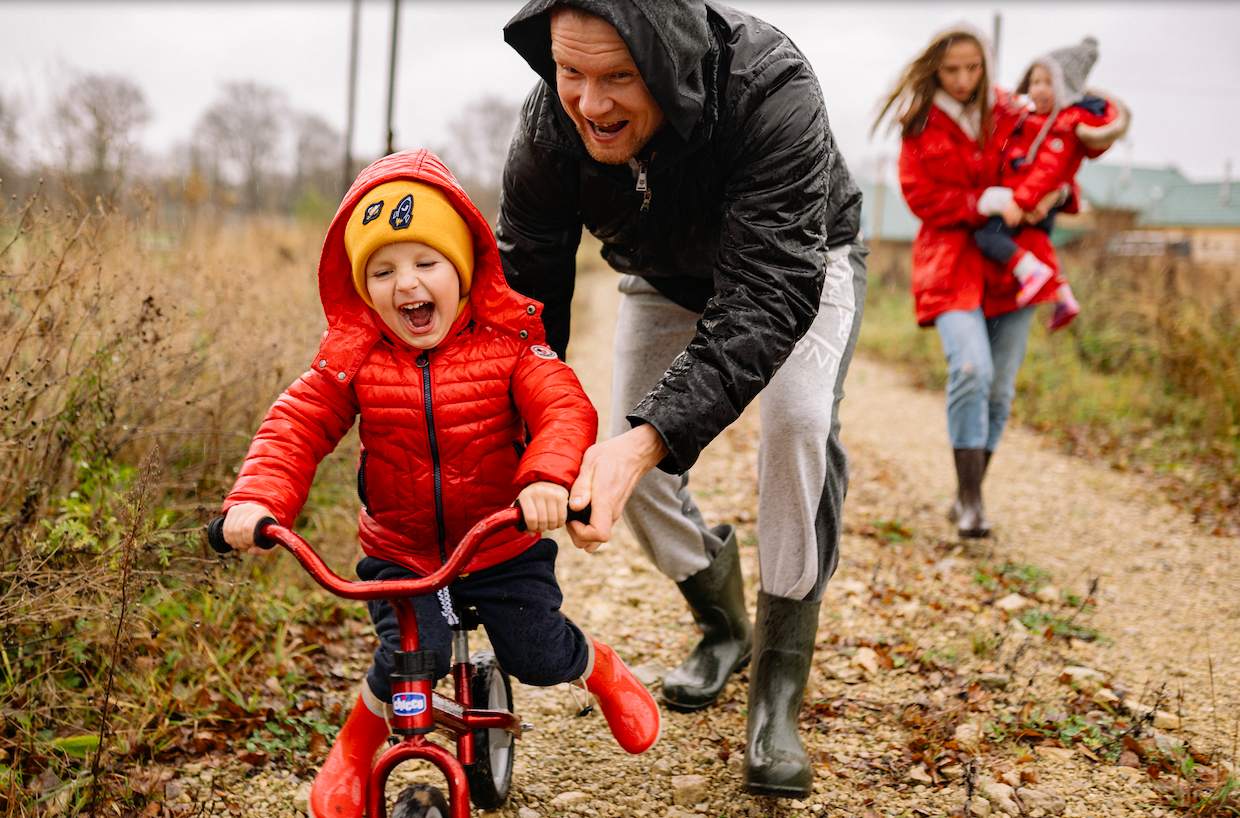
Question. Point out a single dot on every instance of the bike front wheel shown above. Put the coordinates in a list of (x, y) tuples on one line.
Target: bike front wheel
[(490, 776), (421, 801)]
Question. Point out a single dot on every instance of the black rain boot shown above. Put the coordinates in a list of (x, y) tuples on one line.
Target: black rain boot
[(953, 513), (775, 762), (716, 599), (971, 519)]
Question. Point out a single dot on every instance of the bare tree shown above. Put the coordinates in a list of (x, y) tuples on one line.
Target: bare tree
[(96, 119), (479, 137), (318, 150), (243, 128), (8, 141)]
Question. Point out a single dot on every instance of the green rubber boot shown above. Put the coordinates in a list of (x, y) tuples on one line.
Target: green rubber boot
[(775, 762), (716, 599)]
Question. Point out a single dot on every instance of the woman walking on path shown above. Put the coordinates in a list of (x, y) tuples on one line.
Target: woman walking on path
[(952, 122)]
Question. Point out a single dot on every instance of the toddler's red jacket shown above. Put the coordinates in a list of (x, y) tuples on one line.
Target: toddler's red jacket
[(1059, 156), (443, 431)]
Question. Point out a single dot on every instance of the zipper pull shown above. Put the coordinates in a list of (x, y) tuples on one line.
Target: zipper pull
[(422, 360), (646, 201), (642, 164)]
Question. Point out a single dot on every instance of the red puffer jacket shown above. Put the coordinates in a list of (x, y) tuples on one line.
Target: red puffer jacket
[(943, 172), (443, 431), (1058, 158)]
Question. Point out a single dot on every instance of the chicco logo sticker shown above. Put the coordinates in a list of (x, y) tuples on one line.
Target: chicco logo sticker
[(372, 212), (408, 704), (1055, 144), (402, 215), (543, 352)]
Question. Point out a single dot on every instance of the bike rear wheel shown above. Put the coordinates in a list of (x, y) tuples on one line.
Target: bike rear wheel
[(490, 776), (421, 801)]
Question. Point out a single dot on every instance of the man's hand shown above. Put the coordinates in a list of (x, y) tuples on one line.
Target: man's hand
[(545, 506), (239, 527), (1012, 214), (609, 473)]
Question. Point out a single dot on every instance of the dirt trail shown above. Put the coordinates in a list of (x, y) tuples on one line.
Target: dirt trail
[(1169, 600)]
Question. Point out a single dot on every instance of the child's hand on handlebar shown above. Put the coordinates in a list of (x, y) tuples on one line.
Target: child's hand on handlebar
[(239, 527), (545, 506)]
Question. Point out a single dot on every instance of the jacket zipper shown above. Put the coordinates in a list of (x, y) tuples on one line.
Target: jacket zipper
[(424, 363), (642, 185), (361, 482)]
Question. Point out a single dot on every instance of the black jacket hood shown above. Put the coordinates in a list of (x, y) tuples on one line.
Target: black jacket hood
[(667, 38)]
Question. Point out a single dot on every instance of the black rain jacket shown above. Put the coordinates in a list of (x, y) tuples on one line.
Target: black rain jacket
[(728, 211)]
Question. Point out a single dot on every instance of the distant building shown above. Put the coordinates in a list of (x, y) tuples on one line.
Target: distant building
[(1139, 211), (1158, 212), (897, 224)]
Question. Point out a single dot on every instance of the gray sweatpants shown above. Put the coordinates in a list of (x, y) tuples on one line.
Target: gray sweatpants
[(802, 468)]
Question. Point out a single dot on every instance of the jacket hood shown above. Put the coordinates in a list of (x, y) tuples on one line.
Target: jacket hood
[(667, 38), (353, 327)]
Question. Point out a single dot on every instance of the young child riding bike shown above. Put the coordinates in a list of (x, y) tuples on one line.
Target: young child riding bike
[(463, 409)]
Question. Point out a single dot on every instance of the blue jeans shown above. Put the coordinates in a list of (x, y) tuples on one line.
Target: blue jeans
[(983, 357)]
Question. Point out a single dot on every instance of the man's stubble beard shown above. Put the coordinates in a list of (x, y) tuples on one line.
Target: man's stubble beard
[(610, 157)]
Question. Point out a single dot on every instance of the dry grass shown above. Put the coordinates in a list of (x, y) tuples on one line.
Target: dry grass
[(1147, 377), (136, 365)]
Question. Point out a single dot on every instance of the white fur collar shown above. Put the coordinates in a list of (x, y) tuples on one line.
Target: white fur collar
[(968, 118)]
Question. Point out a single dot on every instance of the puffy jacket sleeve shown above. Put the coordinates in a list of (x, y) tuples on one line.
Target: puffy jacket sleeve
[(302, 427), (787, 189), (559, 417), (1051, 168), (933, 179), (539, 224)]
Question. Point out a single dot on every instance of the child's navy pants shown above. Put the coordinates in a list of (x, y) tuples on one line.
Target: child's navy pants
[(519, 604)]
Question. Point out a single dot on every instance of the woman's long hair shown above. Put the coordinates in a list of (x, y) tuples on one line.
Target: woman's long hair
[(913, 95)]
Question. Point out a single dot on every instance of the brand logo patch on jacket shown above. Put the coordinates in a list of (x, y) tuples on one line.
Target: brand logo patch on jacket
[(543, 352), (408, 704), (372, 212), (1055, 144), (402, 214)]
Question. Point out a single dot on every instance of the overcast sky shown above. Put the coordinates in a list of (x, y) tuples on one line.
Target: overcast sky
[(1177, 65)]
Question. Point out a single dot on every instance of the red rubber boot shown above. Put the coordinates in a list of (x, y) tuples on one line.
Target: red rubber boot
[(339, 790), (630, 710)]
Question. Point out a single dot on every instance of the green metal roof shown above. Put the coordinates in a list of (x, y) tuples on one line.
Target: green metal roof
[(1199, 205), (899, 223), (1115, 187)]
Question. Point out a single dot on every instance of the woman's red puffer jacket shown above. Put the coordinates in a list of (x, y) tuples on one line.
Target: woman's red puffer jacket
[(443, 431)]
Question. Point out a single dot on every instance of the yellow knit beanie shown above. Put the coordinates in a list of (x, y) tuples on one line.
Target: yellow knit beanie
[(404, 210)]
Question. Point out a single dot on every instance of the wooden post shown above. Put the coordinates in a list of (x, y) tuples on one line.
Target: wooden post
[(392, 76), (995, 45), (349, 115)]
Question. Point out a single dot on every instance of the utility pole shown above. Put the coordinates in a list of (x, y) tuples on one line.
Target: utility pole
[(349, 116), (880, 196), (392, 76), (995, 45)]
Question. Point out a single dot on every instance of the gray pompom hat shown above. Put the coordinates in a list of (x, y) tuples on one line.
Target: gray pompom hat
[(1069, 68)]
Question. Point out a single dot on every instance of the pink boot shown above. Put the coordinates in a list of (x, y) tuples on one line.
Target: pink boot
[(1066, 309), (630, 710), (1033, 275), (339, 790)]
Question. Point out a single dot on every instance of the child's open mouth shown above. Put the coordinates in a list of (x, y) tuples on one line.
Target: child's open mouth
[(418, 317), (605, 131)]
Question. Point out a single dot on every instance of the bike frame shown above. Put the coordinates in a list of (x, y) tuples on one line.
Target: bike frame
[(457, 715)]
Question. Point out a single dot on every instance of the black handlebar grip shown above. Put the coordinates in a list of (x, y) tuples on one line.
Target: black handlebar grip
[(215, 534), (582, 516)]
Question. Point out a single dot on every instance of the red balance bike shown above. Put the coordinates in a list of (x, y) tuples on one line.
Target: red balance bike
[(482, 766)]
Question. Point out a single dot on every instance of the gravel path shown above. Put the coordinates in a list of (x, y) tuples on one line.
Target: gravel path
[(1168, 599)]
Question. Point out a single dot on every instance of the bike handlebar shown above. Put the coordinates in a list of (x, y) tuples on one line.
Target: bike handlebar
[(268, 530)]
